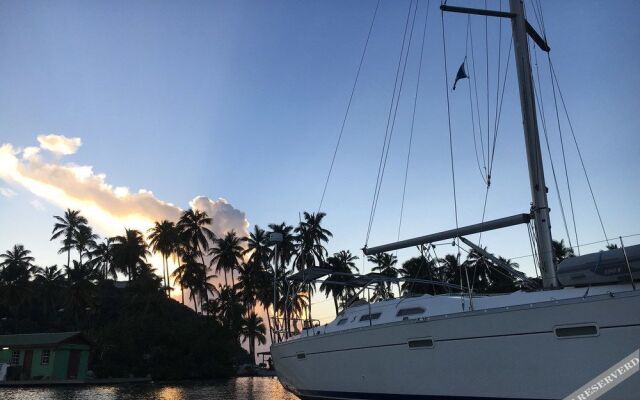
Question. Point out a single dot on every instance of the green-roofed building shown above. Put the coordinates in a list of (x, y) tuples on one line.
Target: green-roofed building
[(54, 356)]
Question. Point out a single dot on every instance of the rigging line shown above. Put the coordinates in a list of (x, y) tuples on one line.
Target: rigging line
[(495, 135), (497, 125), (413, 117), (484, 213), (532, 243), (542, 25), (575, 140), (495, 122), (388, 122), (473, 132), (475, 85), (473, 120), (540, 104), (346, 114), (564, 157), (491, 154), (395, 112), (554, 81), (486, 47), (535, 13), (446, 82)]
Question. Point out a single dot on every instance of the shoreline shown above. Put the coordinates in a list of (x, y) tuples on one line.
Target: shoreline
[(115, 381)]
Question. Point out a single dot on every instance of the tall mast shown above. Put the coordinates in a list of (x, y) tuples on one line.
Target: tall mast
[(539, 202)]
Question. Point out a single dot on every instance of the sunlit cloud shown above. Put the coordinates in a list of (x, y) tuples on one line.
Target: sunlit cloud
[(110, 208), (59, 144), (31, 153)]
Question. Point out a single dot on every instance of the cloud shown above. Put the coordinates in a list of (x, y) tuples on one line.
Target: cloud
[(59, 144), (31, 153), (6, 192), (225, 217), (110, 208), (37, 204)]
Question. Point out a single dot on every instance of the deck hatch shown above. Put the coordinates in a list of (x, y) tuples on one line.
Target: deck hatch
[(420, 343), (576, 331)]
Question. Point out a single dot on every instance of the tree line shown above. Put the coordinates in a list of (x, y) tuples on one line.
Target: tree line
[(243, 264)]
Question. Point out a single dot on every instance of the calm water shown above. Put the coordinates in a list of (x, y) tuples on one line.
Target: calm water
[(232, 389)]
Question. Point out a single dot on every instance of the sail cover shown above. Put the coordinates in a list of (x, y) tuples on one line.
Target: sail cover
[(598, 268)]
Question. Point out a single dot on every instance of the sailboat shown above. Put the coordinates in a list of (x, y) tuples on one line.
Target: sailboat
[(548, 343)]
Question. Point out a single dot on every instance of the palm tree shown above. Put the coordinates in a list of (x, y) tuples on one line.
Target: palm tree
[(163, 238), (258, 247), (385, 265), (180, 277), (181, 248), (296, 304), (418, 268), (503, 282), (80, 290), (130, 253), (247, 285), (227, 254), (194, 231), (341, 263), (49, 281), (452, 270), (49, 275), (191, 274), (83, 240), (193, 226), (253, 329), (65, 228), (560, 252), (286, 248), (17, 265), (310, 239), (232, 310), (479, 269), (101, 256), (264, 293)]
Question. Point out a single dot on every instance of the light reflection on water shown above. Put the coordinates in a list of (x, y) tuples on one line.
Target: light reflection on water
[(232, 389)]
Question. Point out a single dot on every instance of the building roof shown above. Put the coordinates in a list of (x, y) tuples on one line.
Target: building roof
[(41, 339)]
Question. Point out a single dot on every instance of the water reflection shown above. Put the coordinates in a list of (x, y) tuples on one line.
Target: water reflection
[(232, 389)]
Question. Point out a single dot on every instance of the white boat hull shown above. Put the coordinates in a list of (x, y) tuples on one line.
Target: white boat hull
[(500, 353)]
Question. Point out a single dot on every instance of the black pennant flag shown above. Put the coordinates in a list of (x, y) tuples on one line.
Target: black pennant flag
[(462, 74)]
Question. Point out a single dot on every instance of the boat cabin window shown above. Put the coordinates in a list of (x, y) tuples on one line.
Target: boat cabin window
[(370, 317), (410, 311), (44, 357), (577, 331), (420, 343), (15, 357), (301, 356), (343, 321)]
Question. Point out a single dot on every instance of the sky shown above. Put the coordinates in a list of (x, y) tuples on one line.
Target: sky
[(133, 111)]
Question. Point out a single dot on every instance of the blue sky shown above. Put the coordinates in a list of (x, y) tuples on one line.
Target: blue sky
[(243, 100)]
